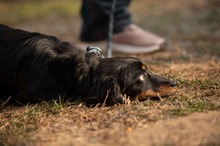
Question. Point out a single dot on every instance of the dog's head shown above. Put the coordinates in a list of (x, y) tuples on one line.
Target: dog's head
[(117, 77)]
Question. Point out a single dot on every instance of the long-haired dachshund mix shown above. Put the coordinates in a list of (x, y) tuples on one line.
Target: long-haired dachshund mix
[(35, 67)]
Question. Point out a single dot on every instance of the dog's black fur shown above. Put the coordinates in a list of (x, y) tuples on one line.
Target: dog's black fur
[(36, 67)]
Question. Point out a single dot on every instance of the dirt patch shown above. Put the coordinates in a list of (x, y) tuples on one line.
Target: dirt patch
[(135, 124), (195, 129)]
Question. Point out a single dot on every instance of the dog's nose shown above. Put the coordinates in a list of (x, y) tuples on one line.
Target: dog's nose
[(173, 83)]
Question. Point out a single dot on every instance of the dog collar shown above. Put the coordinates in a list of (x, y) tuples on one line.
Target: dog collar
[(95, 50)]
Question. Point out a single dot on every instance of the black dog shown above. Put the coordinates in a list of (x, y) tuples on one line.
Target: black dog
[(36, 67)]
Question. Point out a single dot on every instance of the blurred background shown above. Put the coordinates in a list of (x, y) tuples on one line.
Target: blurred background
[(189, 25)]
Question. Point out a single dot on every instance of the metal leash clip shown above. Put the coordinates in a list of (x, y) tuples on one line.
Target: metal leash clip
[(95, 50)]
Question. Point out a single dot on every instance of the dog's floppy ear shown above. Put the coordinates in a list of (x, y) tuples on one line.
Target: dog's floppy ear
[(106, 92), (112, 94)]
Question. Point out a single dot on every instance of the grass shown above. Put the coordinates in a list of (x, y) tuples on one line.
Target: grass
[(194, 107), (21, 122), (211, 19), (192, 60), (29, 10), (201, 95)]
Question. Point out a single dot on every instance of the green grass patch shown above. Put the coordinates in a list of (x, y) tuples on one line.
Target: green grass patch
[(194, 107), (212, 19), (17, 11), (196, 95), (201, 84)]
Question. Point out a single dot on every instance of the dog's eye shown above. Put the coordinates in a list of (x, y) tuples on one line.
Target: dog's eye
[(142, 77)]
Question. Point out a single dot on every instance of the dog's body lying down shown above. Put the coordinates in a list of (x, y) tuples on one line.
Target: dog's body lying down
[(36, 67)]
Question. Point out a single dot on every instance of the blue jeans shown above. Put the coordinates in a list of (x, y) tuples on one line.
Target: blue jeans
[(96, 15)]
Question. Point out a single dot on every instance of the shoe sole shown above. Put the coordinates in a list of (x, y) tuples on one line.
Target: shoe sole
[(123, 48)]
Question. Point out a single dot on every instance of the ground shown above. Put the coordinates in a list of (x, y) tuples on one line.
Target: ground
[(192, 58)]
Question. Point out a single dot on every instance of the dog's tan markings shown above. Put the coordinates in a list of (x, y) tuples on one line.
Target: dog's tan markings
[(146, 94), (143, 67), (164, 90)]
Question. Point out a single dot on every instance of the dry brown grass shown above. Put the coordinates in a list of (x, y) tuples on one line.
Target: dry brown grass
[(190, 117), (58, 121)]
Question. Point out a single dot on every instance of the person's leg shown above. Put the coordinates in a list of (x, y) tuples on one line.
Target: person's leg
[(96, 16), (127, 37)]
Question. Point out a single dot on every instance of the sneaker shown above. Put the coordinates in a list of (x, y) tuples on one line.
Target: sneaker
[(133, 39)]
